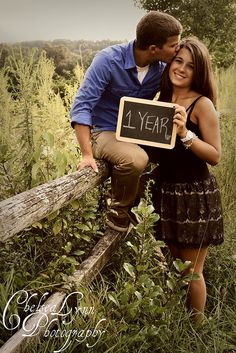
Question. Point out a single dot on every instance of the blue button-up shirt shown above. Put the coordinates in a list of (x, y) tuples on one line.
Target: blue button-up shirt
[(112, 75)]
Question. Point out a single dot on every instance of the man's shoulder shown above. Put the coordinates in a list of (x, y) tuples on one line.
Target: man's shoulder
[(115, 49)]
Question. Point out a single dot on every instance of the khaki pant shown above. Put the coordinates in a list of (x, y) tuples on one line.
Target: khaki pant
[(128, 162)]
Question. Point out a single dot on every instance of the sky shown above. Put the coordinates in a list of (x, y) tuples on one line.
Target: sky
[(25, 20)]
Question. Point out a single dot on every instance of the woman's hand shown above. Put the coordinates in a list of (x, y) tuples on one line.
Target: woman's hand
[(180, 119)]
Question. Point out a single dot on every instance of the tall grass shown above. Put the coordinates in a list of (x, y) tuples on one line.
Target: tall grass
[(132, 324), (226, 170), (141, 296)]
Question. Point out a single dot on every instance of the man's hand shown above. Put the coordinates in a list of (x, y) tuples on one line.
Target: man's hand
[(83, 136), (88, 162)]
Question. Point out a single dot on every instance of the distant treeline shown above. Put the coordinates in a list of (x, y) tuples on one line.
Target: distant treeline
[(65, 53)]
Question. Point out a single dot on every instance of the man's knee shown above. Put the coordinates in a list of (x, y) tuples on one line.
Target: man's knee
[(140, 161), (136, 162)]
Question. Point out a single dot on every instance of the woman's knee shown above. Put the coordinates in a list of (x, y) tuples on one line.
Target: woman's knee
[(196, 257)]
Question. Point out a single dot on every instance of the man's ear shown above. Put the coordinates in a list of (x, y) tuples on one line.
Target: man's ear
[(154, 49)]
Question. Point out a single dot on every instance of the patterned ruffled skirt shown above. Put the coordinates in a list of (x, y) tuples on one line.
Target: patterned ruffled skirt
[(190, 213)]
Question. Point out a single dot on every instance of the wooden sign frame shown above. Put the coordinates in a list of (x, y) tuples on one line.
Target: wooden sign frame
[(155, 130)]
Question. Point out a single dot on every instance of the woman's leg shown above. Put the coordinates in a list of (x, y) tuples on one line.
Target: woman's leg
[(197, 288)]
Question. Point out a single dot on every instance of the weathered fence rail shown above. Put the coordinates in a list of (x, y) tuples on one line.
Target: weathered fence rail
[(22, 210), (88, 270)]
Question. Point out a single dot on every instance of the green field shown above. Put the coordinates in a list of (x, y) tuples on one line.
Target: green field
[(142, 301)]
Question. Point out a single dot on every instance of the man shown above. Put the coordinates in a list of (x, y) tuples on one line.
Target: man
[(133, 70)]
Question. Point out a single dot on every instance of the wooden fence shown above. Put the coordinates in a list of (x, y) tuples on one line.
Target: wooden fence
[(22, 210)]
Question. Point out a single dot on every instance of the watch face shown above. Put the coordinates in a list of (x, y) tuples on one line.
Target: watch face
[(188, 137)]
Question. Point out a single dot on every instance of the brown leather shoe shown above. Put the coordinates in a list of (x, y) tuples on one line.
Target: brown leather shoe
[(117, 222), (133, 219)]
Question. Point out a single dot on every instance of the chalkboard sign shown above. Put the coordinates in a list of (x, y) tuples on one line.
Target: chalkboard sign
[(146, 122)]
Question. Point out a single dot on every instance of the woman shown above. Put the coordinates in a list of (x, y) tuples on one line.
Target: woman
[(188, 199)]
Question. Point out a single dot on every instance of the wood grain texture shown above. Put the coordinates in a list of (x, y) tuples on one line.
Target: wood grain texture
[(22, 210)]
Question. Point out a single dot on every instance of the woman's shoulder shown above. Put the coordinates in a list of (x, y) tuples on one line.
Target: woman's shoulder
[(204, 108), (204, 101), (197, 100)]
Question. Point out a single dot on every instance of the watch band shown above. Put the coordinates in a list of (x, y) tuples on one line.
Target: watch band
[(188, 137)]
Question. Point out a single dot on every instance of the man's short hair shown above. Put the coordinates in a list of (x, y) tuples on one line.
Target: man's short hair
[(155, 28)]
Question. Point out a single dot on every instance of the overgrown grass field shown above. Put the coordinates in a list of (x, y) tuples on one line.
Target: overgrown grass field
[(137, 303)]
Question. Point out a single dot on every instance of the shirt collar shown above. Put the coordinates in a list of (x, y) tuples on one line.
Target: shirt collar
[(129, 58)]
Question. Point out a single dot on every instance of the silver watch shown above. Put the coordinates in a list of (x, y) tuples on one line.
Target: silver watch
[(188, 137)]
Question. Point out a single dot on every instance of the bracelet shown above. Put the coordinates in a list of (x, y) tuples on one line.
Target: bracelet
[(188, 145)]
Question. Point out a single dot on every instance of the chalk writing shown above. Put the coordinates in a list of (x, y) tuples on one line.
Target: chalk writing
[(153, 123), (146, 122)]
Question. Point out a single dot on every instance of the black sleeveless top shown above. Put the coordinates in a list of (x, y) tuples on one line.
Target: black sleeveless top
[(179, 164)]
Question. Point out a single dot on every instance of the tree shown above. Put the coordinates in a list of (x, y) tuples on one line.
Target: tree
[(64, 59), (213, 22)]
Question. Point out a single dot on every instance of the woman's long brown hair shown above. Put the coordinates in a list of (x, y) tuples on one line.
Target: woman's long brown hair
[(203, 79)]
